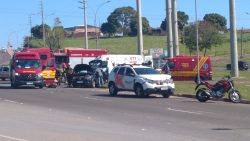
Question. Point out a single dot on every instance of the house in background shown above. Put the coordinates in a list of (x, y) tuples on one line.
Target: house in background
[(79, 31)]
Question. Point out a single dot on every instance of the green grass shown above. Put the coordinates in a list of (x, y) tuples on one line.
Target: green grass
[(220, 56)]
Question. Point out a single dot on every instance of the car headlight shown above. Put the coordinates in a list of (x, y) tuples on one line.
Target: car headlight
[(149, 81), (17, 74), (40, 75), (168, 81)]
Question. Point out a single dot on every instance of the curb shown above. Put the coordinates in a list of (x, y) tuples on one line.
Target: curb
[(243, 101)]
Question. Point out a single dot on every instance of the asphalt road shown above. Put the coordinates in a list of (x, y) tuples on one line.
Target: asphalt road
[(85, 114)]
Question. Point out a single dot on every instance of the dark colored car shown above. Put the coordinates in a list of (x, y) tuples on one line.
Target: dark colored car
[(242, 65), (85, 76)]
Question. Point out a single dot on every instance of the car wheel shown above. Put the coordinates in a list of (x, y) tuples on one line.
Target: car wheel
[(93, 84), (166, 94), (112, 89), (139, 92), (40, 86)]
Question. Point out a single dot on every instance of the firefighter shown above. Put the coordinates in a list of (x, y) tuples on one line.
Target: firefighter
[(99, 76), (69, 72)]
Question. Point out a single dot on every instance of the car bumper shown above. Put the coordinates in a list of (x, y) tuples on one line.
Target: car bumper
[(36, 83), (154, 88)]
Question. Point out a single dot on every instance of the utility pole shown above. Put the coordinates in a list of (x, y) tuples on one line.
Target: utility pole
[(139, 32), (96, 33), (169, 29), (197, 44), (175, 29), (44, 41), (85, 25), (233, 40)]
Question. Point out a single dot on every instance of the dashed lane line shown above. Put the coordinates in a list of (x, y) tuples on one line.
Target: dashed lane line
[(11, 138)]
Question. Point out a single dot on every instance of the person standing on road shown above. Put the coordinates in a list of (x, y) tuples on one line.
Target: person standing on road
[(69, 72)]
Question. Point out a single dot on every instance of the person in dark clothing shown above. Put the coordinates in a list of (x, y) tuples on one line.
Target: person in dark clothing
[(166, 69), (69, 73)]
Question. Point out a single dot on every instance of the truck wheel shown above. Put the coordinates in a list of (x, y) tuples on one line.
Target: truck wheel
[(112, 89), (139, 92)]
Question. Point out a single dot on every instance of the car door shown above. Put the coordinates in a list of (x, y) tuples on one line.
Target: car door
[(128, 79), (119, 78)]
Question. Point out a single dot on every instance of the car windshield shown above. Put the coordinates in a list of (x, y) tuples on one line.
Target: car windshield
[(28, 63), (144, 71)]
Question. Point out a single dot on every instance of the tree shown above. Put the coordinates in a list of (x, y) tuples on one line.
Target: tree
[(56, 36), (208, 36), (108, 28), (37, 31), (182, 21), (121, 18), (190, 38), (134, 25), (216, 19)]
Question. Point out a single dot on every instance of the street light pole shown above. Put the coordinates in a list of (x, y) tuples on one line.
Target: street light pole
[(44, 42), (169, 29), (85, 25), (139, 32), (233, 40), (197, 44), (97, 34)]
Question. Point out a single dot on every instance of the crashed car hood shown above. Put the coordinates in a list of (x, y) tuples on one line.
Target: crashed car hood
[(81, 67), (157, 76)]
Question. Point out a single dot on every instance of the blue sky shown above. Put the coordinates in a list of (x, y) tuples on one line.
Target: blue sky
[(15, 23)]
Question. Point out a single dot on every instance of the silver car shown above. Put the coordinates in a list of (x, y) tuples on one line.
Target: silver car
[(4, 72)]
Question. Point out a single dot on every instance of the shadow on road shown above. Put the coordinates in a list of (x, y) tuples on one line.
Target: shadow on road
[(126, 96)]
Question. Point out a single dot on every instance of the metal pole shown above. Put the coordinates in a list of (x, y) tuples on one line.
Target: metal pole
[(44, 40), (96, 33), (85, 25), (233, 40), (139, 32), (169, 29), (241, 43), (197, 44), (175, 29)]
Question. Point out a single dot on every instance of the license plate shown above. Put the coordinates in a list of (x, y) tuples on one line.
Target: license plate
[(79, 81), (29, 83), (164, 88)]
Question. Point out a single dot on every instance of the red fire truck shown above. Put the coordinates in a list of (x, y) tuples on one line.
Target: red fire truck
[(76, 56), (48, 64), (186, 67)]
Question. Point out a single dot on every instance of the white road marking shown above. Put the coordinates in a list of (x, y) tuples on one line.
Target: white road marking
[(10, 101), (96, 99), (183, 111), (6, 100), (12, 138)]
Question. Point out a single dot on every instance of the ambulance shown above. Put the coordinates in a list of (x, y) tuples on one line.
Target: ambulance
[(109, 61), (184, 68)]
